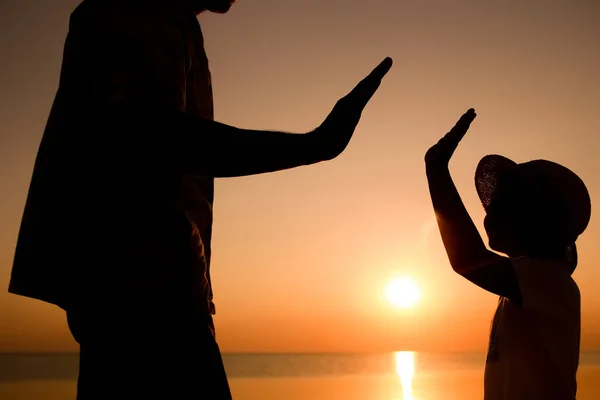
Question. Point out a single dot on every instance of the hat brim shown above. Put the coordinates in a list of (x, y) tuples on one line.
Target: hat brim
[(487, 176)]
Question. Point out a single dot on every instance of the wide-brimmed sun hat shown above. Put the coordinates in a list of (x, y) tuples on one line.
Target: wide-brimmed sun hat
[(560, 194)]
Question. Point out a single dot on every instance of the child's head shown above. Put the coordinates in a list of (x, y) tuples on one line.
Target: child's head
[(535, 209)]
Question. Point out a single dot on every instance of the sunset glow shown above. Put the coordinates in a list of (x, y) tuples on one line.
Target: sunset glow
[(403, 292), (345, 255)]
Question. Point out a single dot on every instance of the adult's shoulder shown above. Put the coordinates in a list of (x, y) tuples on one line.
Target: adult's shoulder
[(88, 10), (103, 13)]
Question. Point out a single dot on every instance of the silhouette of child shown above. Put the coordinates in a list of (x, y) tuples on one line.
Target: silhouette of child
[(535, 212)]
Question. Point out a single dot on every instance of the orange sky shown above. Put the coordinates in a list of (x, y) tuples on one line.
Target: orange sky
[(301, 257)]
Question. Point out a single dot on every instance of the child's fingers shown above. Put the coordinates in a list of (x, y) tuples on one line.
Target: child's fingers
[(462, 126)]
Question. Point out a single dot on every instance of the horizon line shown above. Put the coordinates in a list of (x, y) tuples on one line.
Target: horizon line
[(306, 353)]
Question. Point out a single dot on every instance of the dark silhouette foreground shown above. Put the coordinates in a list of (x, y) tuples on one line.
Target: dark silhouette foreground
[(117, 224), (535, 212)]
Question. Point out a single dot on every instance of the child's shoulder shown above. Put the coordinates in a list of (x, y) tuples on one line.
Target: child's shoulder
[(547, 287), (544, 273), (544, 263)]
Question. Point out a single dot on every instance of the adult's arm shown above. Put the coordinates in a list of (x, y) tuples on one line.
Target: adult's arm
[(135, 77)]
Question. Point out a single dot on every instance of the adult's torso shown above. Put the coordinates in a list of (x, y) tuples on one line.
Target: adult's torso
[(95, 226)]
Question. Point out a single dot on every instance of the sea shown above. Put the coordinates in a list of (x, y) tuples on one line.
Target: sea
[(392, 376)]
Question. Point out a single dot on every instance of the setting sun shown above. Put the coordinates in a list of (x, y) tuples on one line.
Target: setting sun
[(403, 292)]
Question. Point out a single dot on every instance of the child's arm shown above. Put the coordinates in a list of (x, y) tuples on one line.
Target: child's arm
[(466, 250)]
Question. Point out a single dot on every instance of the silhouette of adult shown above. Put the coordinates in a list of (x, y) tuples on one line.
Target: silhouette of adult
[(117, 224)]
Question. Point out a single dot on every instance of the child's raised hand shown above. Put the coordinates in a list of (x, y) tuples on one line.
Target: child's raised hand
[(441, 152)]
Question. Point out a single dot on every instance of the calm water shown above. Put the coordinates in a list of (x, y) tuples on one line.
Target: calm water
[(394, 376)]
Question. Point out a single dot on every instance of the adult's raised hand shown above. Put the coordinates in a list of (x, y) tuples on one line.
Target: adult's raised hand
[(334, 134)]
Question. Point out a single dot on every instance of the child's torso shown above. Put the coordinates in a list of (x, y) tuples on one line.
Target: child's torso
[(534, 348)]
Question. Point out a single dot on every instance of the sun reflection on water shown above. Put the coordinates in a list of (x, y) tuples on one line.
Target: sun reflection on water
[(405, 368)]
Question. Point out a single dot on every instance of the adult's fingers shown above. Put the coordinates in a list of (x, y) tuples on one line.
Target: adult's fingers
[(362, 93)]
